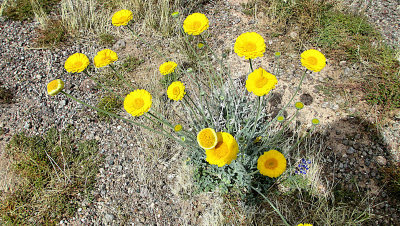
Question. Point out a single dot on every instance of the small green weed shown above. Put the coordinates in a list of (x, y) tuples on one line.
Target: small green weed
[(248, 8), (109, 103), (55, 169), (131, 63), (23, 10), (52, 34), (106, 39)]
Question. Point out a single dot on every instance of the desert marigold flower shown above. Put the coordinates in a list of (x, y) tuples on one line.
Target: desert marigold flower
[(280, 118), (272, 163), (299, 105), (207, 138), (104, 58), (138, 102), (176, 91), (313, 60), (167, 67), (195, 24), (260, 82), (315, 121), (200, 45), (76, 63), (224, 152), (277, 54), (178, 128), (250, 45), (55, 87), (122, 17)]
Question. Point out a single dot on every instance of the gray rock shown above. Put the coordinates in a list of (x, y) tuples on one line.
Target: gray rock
[(120, 44), (108, 218), (381, 160), (350, 150)]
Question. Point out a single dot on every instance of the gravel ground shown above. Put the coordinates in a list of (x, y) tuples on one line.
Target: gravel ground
[(134, 188)]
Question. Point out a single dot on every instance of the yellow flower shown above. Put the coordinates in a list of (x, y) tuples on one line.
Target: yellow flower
[(207, 138), (200, 45), (250, 45), (167, 67), (178, 128), (299, 105), (76, 63), (104, 58), (260, 82), (280, 118), (224, 152), (195, 24), (122, 17), (257, 139), (138, 102), (277, 54), (55, 87), (304, 225), (315, 121), (313, 60), (176, 91), (272, 163)]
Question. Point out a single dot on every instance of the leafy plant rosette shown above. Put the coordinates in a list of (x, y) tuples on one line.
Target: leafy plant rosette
[(232, 141)]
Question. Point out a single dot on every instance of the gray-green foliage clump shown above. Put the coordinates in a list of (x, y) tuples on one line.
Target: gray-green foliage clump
[(55, 171)]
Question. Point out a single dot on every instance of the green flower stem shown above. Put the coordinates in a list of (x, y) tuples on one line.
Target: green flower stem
[(251, 65), (127, 120), (255, 122), (142, 40), (121, 77), (272, 205), (252, 173), (187, 105), (287, 104), (200, 109), (301, 139), (160, 120), (109, 90)]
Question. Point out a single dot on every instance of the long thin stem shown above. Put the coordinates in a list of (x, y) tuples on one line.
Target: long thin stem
[(104, 87), (121, 77), (142, 40), (255, 122), (289, 102), (272, 205), (251, 65), (124, 119)]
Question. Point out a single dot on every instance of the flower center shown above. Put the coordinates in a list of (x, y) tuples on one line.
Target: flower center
[(196, 25), (261, 82), (221, 150), (78, 64), (52, 85), (271, 163), (176, 91), (138, 103), (250, 46), (312, 60)]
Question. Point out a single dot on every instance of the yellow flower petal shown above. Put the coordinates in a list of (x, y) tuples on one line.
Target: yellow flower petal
[(195, 24), (122, 17), (224, 152), (250, 45), (207, 138), (167, 67), (176, 91), (55, 87), (272, 163), (313, 60), (104, 58), (76, 63), (138, 102), (260, 82)]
